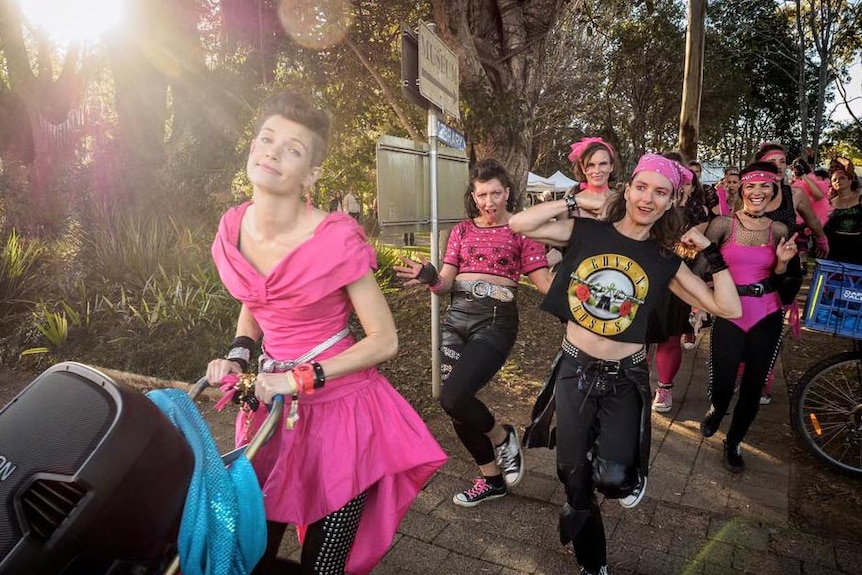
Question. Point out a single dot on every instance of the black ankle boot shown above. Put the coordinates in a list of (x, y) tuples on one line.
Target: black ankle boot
[(710, 422), (733, 461)]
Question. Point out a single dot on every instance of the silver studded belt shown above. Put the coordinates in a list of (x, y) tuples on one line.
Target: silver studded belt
[(481, 288), (605, 366)]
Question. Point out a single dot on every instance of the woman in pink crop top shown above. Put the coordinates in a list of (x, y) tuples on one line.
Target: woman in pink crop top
[(356, 454), (756, 250), (484, 260)]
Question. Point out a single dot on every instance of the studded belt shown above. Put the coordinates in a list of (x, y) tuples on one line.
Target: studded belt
[(481, 288), (603, 366)]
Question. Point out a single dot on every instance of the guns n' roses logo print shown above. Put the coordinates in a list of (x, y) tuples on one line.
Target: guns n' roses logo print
[(605, 293)]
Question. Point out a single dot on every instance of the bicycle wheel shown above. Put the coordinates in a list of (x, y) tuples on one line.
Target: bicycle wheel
[(827, 412)]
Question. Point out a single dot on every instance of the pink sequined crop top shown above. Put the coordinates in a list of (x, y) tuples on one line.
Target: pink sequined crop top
[(495, 251)]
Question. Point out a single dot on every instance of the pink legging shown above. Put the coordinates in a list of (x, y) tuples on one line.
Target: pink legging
[(668, 358)]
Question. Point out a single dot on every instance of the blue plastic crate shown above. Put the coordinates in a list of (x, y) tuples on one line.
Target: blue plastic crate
[(835, 299)]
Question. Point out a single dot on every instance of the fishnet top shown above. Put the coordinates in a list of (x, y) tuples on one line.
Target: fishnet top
[(720, 231)]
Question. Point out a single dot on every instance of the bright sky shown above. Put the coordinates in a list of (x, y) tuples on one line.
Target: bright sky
[(66, 21), (854, 90)]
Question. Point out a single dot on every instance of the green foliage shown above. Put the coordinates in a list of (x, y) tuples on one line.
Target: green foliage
[(131, 249), (169, 302), (749, 90), (387, 257), (54, 327), (21, 279)]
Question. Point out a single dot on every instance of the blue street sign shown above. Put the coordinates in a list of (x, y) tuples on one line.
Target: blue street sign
[(450, 137)]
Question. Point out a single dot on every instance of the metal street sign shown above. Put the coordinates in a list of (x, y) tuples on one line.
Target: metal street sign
[(438, 72), (410, 68), (450, 136), (404, 187)]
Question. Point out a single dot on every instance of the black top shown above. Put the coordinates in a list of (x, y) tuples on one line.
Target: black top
[(785, 212), (607, 283)]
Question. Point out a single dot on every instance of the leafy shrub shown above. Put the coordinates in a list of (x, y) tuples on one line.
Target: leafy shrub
[(131, 249), (21, 278), (387, 257)]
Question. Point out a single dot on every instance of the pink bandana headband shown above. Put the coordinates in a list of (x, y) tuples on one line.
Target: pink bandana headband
[(759, 176), (677, 174), (579, 147), (772, 154)]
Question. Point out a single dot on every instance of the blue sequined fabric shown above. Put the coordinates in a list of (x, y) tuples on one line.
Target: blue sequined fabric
[(223, 529)]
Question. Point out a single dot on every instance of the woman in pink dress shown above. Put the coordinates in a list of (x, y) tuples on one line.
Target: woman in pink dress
[(358, 454)]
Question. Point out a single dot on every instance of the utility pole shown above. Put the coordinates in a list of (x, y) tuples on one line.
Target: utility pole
[(692, 83)]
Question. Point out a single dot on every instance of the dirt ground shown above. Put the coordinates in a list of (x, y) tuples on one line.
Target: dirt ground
[(821, 501)]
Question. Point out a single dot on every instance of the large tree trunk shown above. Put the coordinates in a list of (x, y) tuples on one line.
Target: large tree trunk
[(32, 99), (151, 54), (500, 46), (689, 115), (801, 84)]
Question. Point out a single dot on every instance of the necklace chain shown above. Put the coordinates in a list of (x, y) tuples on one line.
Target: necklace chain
[(753, 216)]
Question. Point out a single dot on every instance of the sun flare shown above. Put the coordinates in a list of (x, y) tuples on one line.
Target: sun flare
[(64, 21)]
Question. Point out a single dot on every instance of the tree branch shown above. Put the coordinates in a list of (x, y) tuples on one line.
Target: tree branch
[(387, 93)]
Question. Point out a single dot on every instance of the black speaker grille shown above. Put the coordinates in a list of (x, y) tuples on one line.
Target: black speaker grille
[(51, 428), (46, 504)]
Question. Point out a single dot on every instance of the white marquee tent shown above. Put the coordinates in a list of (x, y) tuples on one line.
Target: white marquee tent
[(555, 186), (562, 181)]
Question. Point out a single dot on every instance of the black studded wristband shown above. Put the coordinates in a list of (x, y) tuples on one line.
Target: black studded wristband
[(572, 205), (319, 376), (714, 258)]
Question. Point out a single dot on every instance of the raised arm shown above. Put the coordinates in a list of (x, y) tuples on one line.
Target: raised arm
[(804, 209), (547, 222), (551, 222), (722, 300)]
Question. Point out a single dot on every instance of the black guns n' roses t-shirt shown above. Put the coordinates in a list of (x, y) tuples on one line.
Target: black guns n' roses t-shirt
[(608, 283)]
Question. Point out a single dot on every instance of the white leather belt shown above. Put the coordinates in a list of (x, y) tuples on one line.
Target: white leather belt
[(481, 288)]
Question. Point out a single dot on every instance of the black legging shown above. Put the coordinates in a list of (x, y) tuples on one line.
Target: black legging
[(598, 436), (325, 548), (730, 346), (477, 338)]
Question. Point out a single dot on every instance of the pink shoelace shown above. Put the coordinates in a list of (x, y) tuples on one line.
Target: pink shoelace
[(479, 486)]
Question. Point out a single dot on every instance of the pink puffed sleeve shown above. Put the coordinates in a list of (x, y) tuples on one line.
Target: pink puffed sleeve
[(532, 255)]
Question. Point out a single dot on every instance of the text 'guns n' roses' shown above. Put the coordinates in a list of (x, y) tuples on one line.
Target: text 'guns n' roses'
[(605, 293)]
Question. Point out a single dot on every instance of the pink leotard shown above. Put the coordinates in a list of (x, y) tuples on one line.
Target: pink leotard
[(749, 265)]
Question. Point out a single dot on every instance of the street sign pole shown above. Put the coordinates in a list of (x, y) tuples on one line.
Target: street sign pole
[(435, 253), (437, 82)]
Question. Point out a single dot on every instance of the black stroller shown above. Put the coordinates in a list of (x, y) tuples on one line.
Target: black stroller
[(93, 477)]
